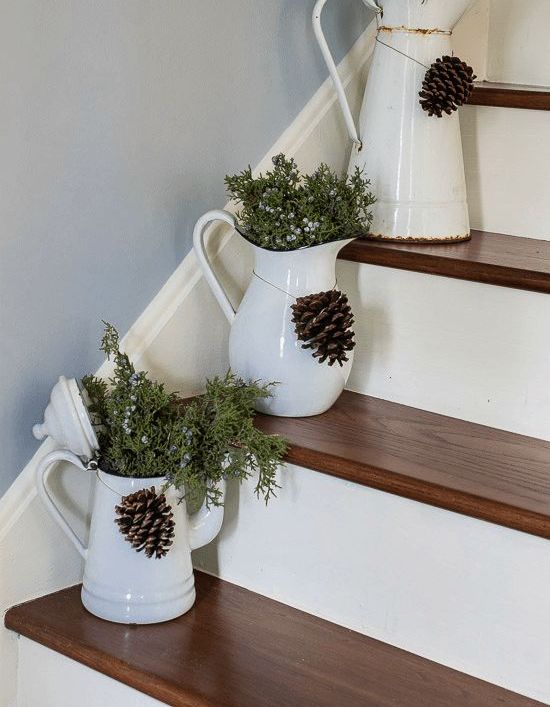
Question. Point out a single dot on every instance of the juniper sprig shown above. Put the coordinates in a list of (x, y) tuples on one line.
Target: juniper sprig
[(225, 443), (145, 431), (286, 210)]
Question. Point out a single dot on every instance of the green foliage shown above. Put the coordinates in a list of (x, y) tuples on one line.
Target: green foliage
[(285, 210), (144, 431), (95, 397), (223, 441), (138, 427)]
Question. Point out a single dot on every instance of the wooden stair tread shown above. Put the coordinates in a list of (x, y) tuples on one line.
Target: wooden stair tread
[(471, 469), (239, 648), (505, 95), (492, 258)]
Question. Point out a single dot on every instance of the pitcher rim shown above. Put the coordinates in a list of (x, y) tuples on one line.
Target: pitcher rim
[(130, 478), (242, 233)]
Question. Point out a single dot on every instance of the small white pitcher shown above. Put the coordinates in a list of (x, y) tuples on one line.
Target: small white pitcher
[(121, 584), (262, 343)]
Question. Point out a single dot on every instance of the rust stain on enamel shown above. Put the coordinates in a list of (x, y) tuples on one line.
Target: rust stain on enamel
[(414, 30)]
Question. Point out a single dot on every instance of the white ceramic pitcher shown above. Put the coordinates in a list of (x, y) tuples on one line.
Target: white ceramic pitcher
[(262, 342), (119, 583), (414, 161)]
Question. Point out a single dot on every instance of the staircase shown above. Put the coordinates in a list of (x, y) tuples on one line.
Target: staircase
[(413, 515), (239, 648)]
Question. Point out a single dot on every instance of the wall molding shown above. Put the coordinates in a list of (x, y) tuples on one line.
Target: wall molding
[(20, 494)]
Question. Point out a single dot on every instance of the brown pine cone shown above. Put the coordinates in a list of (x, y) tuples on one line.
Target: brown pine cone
[(448, 84), (147, 522), (323, 321)]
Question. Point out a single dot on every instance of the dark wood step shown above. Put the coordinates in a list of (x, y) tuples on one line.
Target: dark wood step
[(471, 469), (239, 648), (493, 258), (510, 96)]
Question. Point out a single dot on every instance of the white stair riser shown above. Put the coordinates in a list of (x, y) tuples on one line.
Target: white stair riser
[(468, 350), (506, 157), (518, 42), (48, 679), (465, 593)]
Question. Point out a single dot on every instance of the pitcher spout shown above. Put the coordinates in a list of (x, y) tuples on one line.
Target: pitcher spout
[(299, 272)]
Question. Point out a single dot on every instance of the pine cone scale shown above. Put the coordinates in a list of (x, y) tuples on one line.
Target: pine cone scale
[(146, 521), (448, 84), (323, 322)]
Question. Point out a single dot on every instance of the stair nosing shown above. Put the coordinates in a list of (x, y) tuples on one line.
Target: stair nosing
[(463, 261), (503, 95), (492, 492), (280, 647)]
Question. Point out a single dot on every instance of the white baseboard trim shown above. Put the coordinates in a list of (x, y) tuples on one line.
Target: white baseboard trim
[(20, 494)]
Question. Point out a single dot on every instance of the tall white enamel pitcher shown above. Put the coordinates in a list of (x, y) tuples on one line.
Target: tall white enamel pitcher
[(414, 161)]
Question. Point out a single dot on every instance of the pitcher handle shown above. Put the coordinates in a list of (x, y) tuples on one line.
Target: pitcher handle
[(200, 251), (333, 71), (374, 5), (206, 523), (41, 478)]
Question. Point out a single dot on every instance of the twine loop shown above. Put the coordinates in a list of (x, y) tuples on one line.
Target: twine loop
[(281, 289), (92, 466)]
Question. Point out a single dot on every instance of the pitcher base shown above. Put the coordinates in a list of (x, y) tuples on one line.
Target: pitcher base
[(419, 239), (125, 612)]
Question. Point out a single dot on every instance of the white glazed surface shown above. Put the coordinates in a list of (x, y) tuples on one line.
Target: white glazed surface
[(119, 583), (66, 420), (126, 586), (263, 344), (414, 161)]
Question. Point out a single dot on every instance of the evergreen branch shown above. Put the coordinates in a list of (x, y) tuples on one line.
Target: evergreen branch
[(144, 431), (285, 210)]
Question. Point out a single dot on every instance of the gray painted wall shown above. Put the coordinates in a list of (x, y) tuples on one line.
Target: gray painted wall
[(119, 120)]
